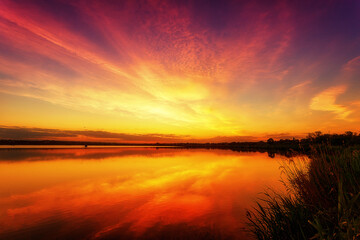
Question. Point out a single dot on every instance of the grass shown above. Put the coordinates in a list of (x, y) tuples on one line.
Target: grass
[(322, 199)]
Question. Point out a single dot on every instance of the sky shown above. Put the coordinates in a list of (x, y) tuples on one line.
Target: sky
[(175, 71)]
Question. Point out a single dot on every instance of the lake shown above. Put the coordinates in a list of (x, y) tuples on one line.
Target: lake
[(131, 193)]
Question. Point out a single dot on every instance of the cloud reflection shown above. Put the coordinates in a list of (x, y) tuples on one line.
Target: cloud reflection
[(135, 194)]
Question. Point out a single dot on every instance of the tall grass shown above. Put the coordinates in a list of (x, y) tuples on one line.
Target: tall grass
[(322, 201)]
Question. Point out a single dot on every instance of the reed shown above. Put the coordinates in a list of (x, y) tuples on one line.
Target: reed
[(322, 200)]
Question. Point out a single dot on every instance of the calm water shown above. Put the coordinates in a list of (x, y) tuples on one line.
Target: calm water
[(130, 193)]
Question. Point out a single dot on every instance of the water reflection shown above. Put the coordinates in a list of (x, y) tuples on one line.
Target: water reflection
[(130, 193)]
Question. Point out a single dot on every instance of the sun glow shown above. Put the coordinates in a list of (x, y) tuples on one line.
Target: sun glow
[(170, 69)]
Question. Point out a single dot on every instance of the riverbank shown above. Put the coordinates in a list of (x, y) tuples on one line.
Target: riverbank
[(322, 202)]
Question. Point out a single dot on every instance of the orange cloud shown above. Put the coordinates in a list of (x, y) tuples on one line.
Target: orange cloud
[(163, 67), (326, 101)]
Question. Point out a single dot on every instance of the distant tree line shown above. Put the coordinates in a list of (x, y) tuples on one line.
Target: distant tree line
[(283, 145), (346, 139)]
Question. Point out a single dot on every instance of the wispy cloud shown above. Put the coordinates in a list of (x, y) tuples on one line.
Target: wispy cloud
[(42, 133), (172, 64), (24, 133), (326, 101)]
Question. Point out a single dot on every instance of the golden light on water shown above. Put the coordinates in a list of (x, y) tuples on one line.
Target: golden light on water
[(131, 189)]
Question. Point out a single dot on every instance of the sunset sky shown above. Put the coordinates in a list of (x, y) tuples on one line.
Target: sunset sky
[(172, 71)]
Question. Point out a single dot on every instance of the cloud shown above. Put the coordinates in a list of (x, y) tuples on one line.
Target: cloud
[(56, 134), (32, 133), (352, 65), (326, 101), (24, 133), (168, 65), (207, 71)]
